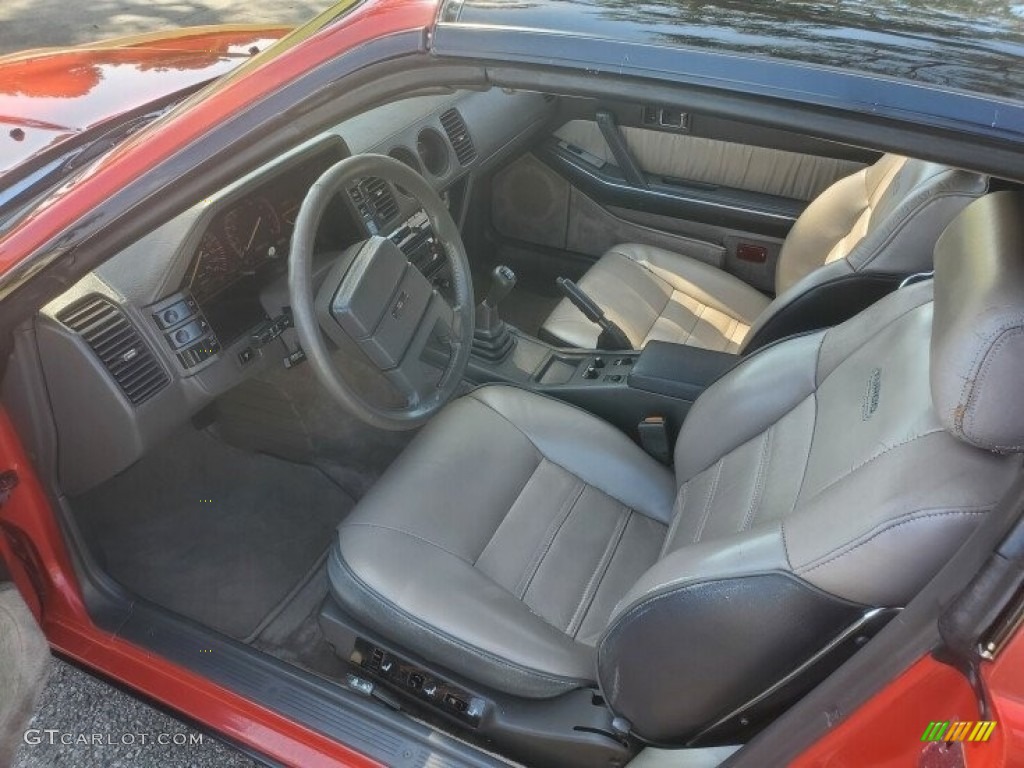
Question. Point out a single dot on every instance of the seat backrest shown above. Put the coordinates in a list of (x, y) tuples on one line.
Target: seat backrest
[(884, 218), (881, 222), (825, 476)]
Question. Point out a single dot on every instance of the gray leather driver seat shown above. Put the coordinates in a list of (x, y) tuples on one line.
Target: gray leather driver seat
[(530, 547), (881, 222)]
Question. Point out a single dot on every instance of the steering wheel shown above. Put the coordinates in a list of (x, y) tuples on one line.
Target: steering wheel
[(374, 301)]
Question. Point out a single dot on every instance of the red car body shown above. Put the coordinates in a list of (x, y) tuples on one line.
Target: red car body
[(47, 98)]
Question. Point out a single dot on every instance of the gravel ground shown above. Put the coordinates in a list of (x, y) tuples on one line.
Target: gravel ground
[(77, 708)]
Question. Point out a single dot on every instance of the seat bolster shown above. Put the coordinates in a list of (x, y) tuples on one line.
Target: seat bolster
[(826, 221), (588, 447), (809, 282), (758, 550), (910, 214), (746, 401), (708, 599), (978, 334)]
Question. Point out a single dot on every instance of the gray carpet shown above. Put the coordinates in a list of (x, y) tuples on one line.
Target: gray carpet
[(217, 534), (288, 413)]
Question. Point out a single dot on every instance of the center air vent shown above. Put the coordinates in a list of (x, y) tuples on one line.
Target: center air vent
[(375, 202), (118, 345), (459, 136), (382, 200)]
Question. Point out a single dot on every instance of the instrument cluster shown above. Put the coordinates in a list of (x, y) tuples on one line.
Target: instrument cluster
[(252, 234)]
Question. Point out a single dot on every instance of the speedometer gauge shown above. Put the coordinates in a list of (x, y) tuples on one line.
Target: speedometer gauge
[(253, 229), (213, 268)]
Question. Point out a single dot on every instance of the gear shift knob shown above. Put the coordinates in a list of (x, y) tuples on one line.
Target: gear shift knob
[(503, 280)]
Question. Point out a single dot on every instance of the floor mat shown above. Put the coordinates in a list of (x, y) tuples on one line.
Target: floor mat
[(294, 633), (217, 534), (288, 413)]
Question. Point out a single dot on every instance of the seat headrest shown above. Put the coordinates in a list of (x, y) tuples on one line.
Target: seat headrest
[(977, 346)]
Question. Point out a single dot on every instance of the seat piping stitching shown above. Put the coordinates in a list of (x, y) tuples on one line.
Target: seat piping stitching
[(557, 523), (597, 577), (411, 535), (707, 504), (514, 502), (871, 458), (677, 516), (760, 480)]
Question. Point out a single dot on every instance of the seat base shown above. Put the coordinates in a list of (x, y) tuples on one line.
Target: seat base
[(573, 730)]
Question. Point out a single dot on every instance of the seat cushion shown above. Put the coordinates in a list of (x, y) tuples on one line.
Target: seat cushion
[(654, 294), (500, 541)]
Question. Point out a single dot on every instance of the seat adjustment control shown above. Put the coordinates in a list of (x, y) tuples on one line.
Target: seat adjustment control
[(410, 680)]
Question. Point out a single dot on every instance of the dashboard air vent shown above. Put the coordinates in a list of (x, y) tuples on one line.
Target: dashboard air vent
[(459, 136), (118, 345), (381, 199)]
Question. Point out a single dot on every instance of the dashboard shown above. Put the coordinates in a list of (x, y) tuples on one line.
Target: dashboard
[(200, 304)]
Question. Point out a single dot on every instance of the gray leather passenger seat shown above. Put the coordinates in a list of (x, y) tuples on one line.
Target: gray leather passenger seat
[(530, 547), (882, 220)]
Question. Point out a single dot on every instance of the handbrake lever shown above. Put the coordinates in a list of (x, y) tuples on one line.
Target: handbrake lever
[(612, 336)]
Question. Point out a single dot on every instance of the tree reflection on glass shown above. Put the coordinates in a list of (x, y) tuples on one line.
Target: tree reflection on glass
[(965, 44)]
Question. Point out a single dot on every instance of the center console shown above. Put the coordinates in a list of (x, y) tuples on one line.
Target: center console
[(626, 388), (646, 394)]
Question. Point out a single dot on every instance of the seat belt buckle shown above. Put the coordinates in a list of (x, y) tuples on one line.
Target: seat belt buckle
[(653, 433)]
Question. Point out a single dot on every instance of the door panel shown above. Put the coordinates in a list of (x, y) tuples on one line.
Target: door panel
[(777, 172), (718, 190), (532, 203)]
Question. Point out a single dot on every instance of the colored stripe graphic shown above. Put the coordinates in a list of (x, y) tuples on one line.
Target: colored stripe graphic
[(959, 731)]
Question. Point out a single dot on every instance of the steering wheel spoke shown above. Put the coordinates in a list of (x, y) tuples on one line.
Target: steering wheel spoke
[(375, 301)]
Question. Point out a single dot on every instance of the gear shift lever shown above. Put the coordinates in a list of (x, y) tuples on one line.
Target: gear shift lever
[(492, 340), (503, 280)]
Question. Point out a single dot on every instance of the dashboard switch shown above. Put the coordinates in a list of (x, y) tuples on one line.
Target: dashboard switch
[(174, 314), (188, 333)]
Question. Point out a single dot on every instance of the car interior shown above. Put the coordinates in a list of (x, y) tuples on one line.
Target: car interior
[(668, 494)]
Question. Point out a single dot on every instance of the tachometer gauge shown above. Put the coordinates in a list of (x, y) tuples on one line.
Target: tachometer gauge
[(253, 230), (213, 267)]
